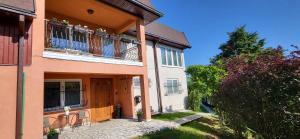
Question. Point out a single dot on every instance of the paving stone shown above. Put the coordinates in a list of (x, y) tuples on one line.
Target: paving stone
[(117, 129)]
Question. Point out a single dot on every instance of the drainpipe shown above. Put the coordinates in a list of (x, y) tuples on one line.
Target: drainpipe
[(157, 76), (20, 81)]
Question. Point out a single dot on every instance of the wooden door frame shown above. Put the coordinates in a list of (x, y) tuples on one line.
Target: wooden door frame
[(93, 117)]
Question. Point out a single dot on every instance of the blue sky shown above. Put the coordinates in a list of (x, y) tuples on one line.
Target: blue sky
[(206, 22)]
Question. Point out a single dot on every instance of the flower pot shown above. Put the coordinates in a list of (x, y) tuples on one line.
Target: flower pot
[(140, 118), (55, 136)]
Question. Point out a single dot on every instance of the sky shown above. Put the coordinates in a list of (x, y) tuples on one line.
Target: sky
[(207, 22)]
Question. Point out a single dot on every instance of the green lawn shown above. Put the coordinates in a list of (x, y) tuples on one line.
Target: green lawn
[(171, 116), (203, 128), (202, 109)]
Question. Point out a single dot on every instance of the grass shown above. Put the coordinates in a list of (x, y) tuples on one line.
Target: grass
[(202, 109), (203, 128), (172, 116)]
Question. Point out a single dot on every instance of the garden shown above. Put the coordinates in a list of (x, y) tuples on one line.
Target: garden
[(254, 91)]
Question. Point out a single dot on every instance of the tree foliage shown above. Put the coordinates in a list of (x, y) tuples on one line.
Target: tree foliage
[(263, 94), (203, 82), (240, 42)]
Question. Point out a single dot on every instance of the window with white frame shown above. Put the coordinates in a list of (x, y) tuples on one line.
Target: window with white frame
[(62, 92), (172, 86), (171, 57), (136, 82)]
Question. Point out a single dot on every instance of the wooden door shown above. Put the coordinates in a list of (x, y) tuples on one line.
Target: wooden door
[(102, 99)]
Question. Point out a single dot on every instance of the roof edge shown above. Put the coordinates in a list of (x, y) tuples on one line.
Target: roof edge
[(18, 10), (157, 38), (146, 7), (168, 40)]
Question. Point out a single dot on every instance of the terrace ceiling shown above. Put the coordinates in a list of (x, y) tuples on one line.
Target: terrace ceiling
[(103, 15)]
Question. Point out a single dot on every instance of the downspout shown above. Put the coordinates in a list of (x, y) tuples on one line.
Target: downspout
[(20, 81), (157, 77)]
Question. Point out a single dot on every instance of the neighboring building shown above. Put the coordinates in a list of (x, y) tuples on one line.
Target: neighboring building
[(75, 54)]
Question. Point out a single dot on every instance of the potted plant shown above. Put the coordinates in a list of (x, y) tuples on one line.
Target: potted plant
[(52, 134), (139, 114)]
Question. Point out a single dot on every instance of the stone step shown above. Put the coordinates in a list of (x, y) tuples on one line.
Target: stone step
[(187, 119)]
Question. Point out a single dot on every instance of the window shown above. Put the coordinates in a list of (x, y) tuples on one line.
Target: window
[(175, 58), (72, 93), (136, 82), (171, 57), (52, 95), (163, 56), (60, 93), (179, 59), (172, 86)]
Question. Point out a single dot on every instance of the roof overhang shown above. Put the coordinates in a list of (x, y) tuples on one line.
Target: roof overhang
[(24, 7), (136, 8), (162, 40)]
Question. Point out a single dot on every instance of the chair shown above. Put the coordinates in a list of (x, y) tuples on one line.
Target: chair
[(47, 125), (82, 116)]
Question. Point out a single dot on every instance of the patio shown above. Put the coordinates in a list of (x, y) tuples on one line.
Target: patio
[(116, 129)]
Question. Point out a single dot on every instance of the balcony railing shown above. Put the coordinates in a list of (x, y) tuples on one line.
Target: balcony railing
[(80, 40)]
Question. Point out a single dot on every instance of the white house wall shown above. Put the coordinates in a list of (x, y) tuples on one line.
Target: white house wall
[(174, 101), (169, 102)]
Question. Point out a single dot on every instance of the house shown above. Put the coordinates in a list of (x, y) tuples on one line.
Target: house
[(166, 68), (86, 55)]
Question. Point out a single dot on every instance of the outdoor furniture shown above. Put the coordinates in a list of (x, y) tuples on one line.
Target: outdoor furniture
[(47, 125), (83, 116)]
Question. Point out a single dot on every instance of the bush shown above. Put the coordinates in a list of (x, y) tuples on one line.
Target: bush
[(263, 95), (203, 82)]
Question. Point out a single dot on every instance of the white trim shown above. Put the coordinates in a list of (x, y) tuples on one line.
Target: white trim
[(173, 87), (55, 55), (62, 92), (178, 52)]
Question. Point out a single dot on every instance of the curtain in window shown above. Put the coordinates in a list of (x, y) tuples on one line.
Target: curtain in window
[(169, 55), (52, 94), (179, 59), (175, 86), (169, 87), (72, 93), (163, 56), (175, 58)]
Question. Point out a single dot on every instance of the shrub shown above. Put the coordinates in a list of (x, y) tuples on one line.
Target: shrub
[(263, 95), (203, 82)]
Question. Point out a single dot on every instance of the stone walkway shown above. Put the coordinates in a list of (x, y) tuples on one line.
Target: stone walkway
[(187, 119), (117, 129)]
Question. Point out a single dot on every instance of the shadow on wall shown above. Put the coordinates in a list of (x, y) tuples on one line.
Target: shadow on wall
[(186, 102), (169, 108)]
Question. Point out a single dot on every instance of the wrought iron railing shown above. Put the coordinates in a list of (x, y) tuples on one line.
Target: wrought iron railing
[(77, 39)]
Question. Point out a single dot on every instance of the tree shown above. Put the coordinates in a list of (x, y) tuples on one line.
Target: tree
[(263, 95), (203, 82), (240, 42)]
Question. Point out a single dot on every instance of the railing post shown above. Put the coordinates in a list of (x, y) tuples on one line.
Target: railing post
[(87, 40), (117, 48), (70, 36)]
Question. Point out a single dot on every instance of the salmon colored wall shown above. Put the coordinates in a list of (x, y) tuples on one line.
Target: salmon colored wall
[(8, 79), (34, 86), (122, 89)]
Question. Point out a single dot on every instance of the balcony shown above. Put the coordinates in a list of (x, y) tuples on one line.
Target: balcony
[(79, 43)]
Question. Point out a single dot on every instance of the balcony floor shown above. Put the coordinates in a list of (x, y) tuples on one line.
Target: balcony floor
[(87, 58)]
